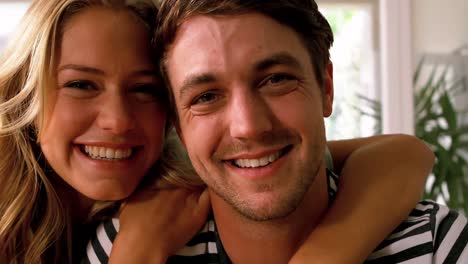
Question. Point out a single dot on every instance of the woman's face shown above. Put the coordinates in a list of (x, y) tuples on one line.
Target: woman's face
[(104, 118)]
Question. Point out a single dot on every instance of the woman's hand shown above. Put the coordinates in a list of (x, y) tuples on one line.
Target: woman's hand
[(154, 224), (382, 178)]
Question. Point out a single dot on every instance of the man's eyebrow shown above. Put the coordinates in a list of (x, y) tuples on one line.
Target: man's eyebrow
[(282, 58), (194, 80)]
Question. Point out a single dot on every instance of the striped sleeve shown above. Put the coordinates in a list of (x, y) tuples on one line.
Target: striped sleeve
[(432, 233), (200, 249), (332, 183), (450, 237), (100, 245)]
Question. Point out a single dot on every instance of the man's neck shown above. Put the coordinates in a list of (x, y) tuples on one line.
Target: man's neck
[(248, 241)]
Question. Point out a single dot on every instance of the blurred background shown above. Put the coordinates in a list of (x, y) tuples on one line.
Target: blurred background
[(400, 66)]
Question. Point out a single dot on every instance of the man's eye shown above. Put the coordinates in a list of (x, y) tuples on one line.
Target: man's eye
[(279, 84), (81, 85), (205, 98), (278, 78)]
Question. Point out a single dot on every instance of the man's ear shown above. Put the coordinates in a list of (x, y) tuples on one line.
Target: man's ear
[(176, 125), (328, 91)]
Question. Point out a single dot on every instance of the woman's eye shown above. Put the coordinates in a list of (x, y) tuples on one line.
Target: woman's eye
[(81, 85), (145, 89), (80, 89), (149, 92)]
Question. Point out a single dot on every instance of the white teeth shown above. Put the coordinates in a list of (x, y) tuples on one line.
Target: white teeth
[(101, 153), (95, 152), (255, 163)]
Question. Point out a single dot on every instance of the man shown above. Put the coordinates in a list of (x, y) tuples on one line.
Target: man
[(251, 82)]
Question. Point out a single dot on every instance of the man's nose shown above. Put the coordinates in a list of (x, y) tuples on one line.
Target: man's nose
[(116, 115), (250, 116)]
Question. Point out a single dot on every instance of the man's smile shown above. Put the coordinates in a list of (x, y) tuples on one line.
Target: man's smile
[(261, 161)]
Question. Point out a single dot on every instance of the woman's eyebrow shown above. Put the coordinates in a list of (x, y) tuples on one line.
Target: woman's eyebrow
[(81, 68), (92, 70)]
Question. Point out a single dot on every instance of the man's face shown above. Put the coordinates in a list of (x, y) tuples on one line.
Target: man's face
[(250, 111)]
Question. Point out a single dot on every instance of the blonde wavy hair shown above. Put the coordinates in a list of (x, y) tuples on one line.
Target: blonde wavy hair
[(35, 218)]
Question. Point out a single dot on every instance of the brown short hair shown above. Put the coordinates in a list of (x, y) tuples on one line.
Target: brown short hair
[(300, 15)]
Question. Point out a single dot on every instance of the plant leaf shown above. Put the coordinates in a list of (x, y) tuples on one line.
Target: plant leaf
[(448, 111)]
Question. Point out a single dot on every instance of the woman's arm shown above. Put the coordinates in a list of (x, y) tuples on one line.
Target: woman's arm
[(382, 178), (175, 215)]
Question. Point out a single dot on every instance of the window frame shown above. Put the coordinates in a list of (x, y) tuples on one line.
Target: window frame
[(395, 59)]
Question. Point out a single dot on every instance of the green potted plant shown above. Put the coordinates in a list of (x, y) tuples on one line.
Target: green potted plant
[(438, 123)]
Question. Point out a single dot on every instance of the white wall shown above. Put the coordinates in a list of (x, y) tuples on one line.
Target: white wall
[(439, 26)]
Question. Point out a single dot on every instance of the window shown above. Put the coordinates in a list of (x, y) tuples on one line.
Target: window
[(10, 14), (355, 62), (382, 70)]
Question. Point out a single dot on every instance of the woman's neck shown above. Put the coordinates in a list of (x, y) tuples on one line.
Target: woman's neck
[(76, 204)]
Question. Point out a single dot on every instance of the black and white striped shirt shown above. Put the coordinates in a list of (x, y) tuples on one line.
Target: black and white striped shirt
[(432, 233)]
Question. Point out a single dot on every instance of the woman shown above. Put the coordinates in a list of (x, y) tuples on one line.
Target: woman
[(79, 127), (83, 119)]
